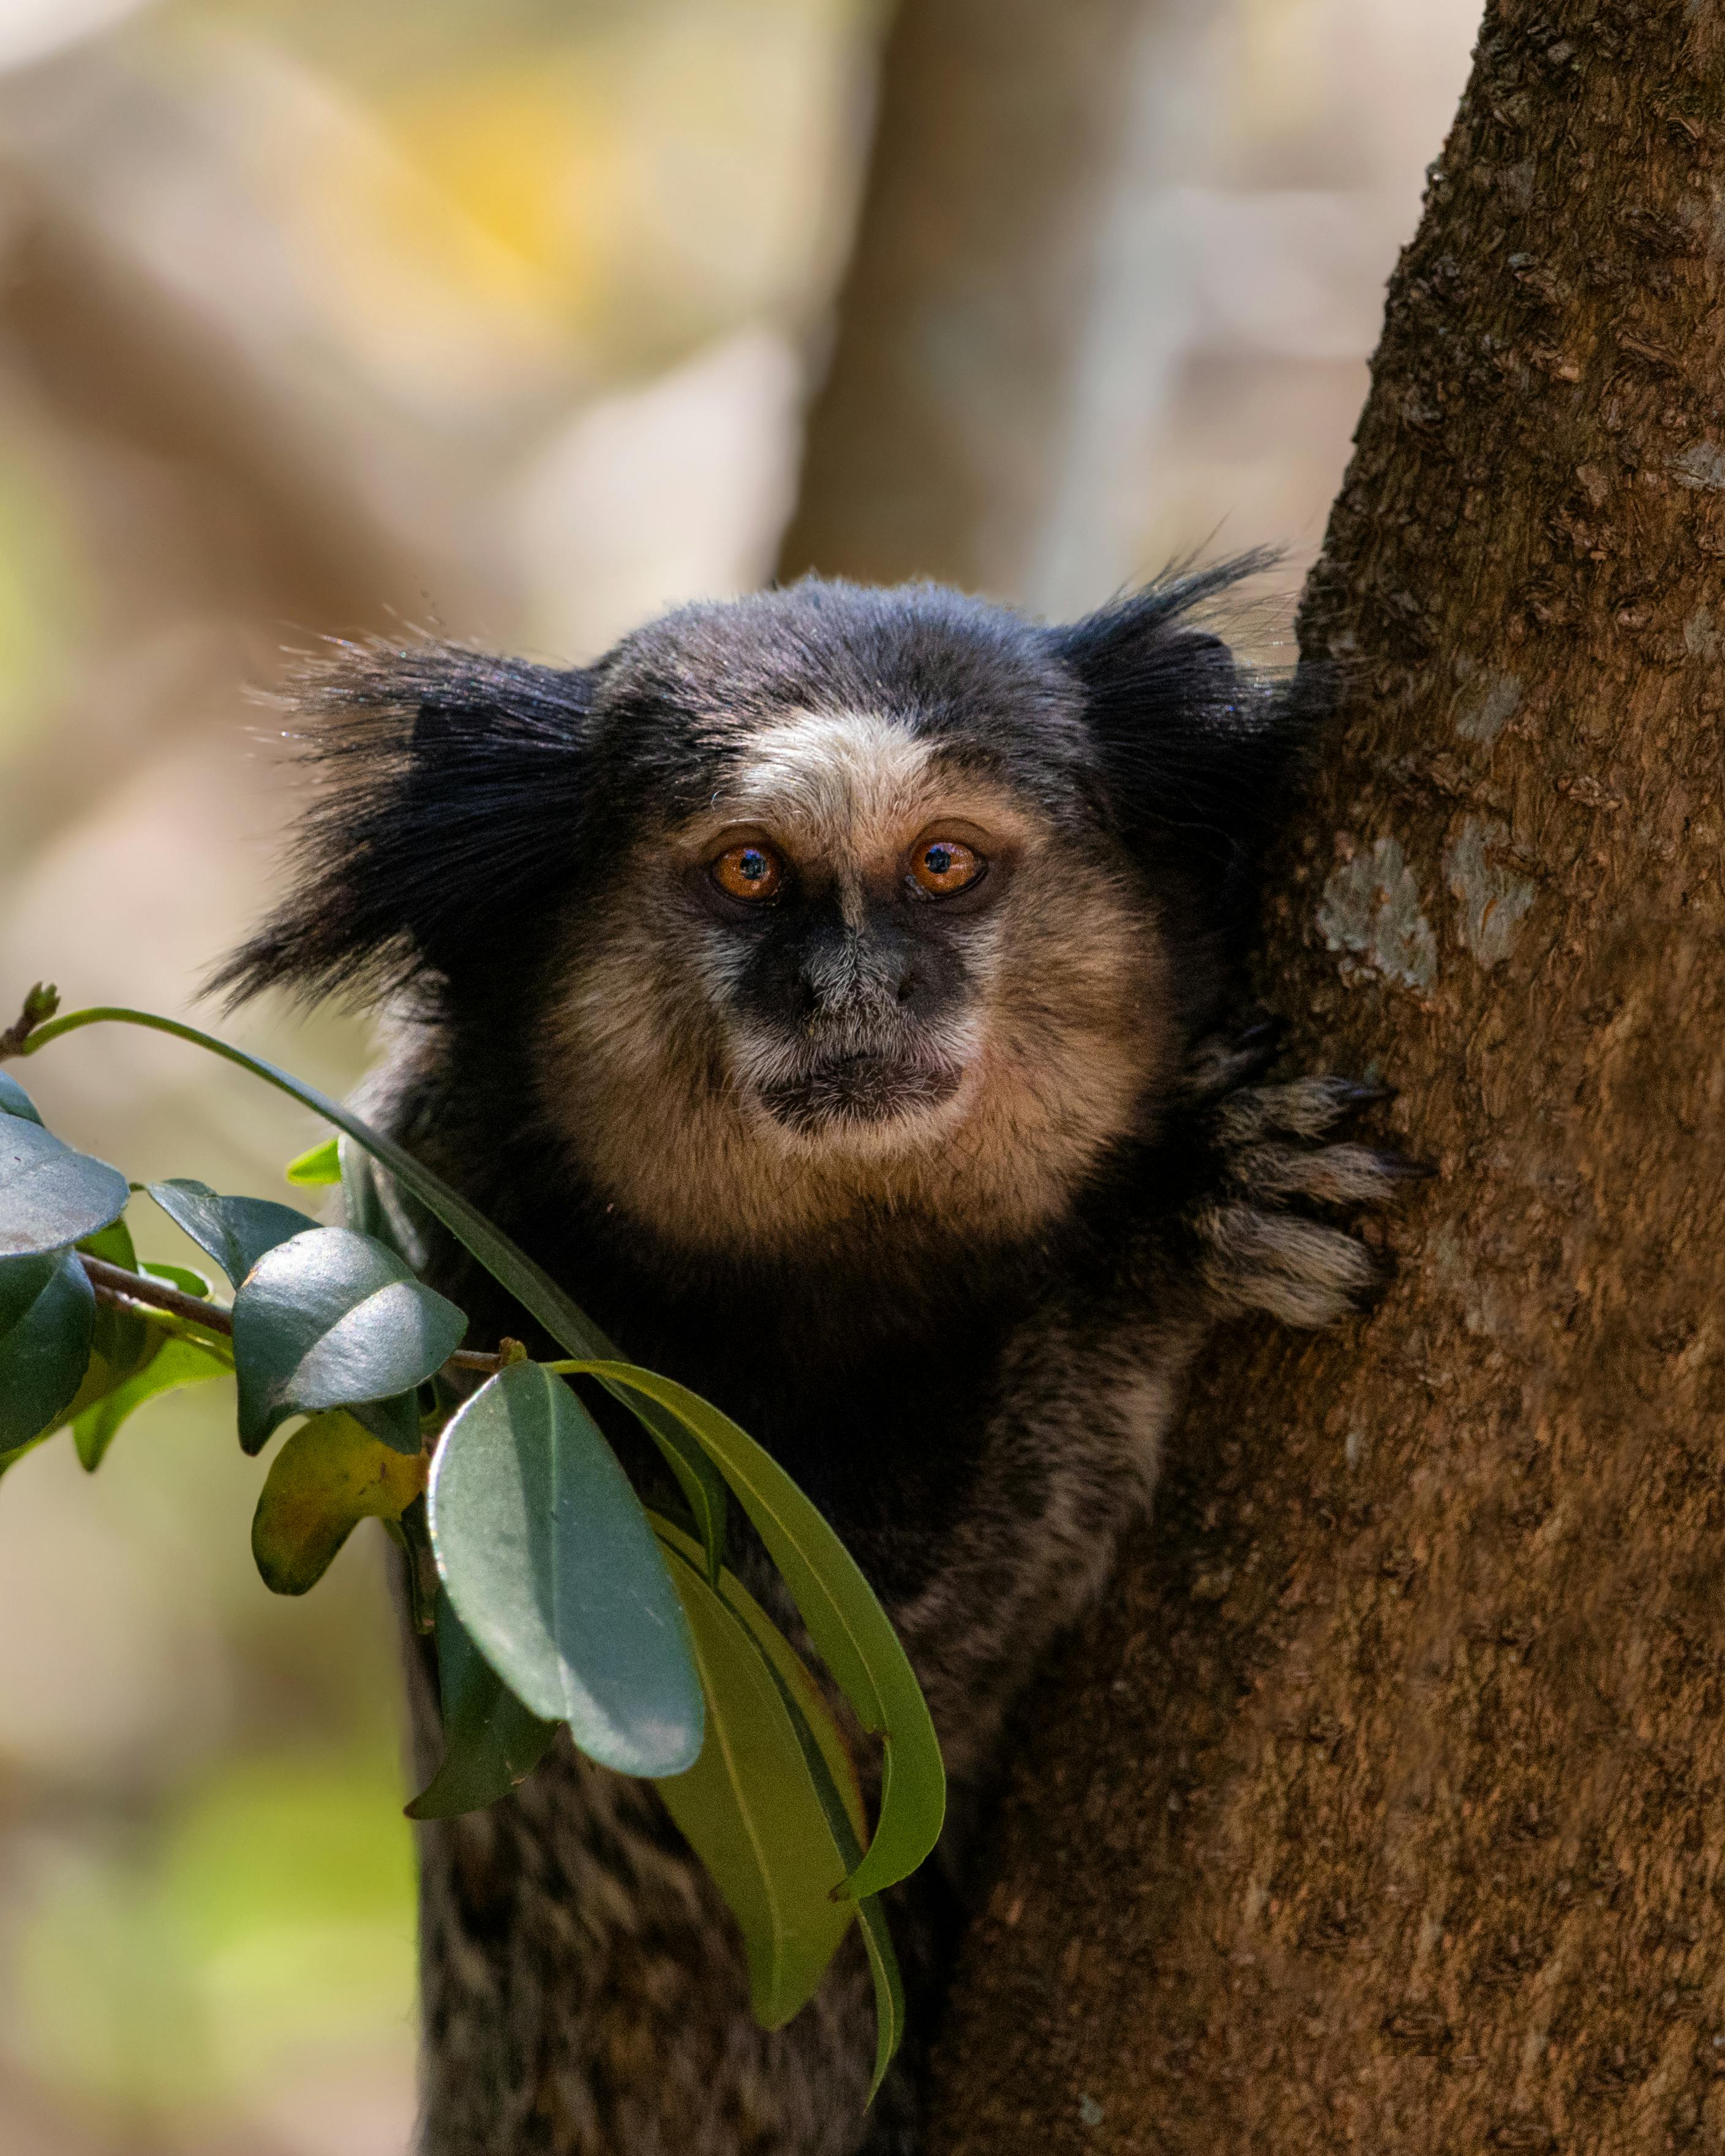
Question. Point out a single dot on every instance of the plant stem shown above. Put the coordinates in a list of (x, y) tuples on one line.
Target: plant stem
[(43, 1001), (115, 1283), (139, 1287)]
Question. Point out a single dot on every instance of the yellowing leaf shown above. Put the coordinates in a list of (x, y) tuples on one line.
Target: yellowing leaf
[(330, 1474)]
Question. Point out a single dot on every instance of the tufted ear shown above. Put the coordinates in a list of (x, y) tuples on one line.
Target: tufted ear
[(1196, 752), (452, 795)]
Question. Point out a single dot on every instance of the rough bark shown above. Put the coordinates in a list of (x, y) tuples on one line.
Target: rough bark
[(1385, 1806), (935, 446)]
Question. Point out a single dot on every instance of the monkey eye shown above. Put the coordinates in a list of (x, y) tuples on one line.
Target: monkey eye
[(749, 872), (940, 866)]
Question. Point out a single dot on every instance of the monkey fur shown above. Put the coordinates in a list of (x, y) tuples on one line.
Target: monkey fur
[(831, 988)]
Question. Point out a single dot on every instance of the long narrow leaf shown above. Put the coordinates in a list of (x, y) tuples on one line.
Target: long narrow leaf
[(833, 1776), (889, 1988), (818, 1733), (846, 1623), (748, 1810), (528, 1282)]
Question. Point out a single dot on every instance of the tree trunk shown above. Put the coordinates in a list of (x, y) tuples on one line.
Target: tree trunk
[(937, 445), (1384, 1807)]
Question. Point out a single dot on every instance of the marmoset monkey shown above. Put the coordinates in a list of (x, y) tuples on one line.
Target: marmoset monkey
[(828, 987)]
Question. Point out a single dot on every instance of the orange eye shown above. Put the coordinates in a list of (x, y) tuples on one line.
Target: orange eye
[(749, 872), (940, 866)]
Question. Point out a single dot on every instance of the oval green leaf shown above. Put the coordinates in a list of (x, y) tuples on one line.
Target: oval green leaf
[(553, 1571), (50, 1195), (46, 1315), (235, 1231), (178, 1361), (330, 1474), (333, 1319), (749, 1811), (847, 1624), (122, 1344), (490, 1740), (319, 1164), (14, 1100)]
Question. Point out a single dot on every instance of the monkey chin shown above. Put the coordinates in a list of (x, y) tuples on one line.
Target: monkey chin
[(865, 1104)]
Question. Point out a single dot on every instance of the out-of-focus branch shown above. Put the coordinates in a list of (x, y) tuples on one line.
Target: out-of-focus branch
[(935, 447)]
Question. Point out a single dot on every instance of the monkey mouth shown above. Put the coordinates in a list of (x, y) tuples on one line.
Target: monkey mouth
[(859, 1091)]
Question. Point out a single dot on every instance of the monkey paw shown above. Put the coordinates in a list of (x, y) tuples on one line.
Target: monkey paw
[(1263, 1236)]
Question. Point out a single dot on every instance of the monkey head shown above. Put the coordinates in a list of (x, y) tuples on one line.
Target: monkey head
[(823, 908)]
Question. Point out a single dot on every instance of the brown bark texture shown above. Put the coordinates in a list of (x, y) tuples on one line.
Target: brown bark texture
[(1383, 1807), (935, 443)]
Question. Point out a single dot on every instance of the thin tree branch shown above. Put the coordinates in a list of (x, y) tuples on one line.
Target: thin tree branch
[(115, 1285), (139, 1288)]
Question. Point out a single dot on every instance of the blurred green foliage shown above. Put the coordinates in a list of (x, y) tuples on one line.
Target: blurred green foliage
[(259, 1924)]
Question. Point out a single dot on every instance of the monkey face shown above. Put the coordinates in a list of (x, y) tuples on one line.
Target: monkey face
[(871, 977), (850, 906)]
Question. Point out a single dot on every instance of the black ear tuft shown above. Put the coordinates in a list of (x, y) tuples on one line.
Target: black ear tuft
[(1197, 751), (453, 793)]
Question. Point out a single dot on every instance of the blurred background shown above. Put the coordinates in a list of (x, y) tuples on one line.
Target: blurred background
[(517, 319)]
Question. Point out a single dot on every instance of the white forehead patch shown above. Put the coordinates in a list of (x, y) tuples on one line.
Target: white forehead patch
[(839, 782)]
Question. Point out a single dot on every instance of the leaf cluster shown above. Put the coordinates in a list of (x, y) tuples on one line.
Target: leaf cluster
[(556, 1599)]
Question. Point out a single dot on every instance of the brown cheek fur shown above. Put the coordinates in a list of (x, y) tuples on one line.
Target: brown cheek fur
[(636, 1074)]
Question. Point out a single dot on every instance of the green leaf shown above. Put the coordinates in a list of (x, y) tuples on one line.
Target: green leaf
[(748, 1808), (178, 1361), (50, 1195), (46, 1315), (889, 1988), (372, 1205), (14, 1100), (123, 1341), (532, 1287), (847, 1624), (113, 1244), (490, 1740), (235, 1231), (122, 1344), (320, 1163), (833, 1776), (818, 1733), (554, 1572), (331, 1319), (330, 1474), (180, 1276)]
